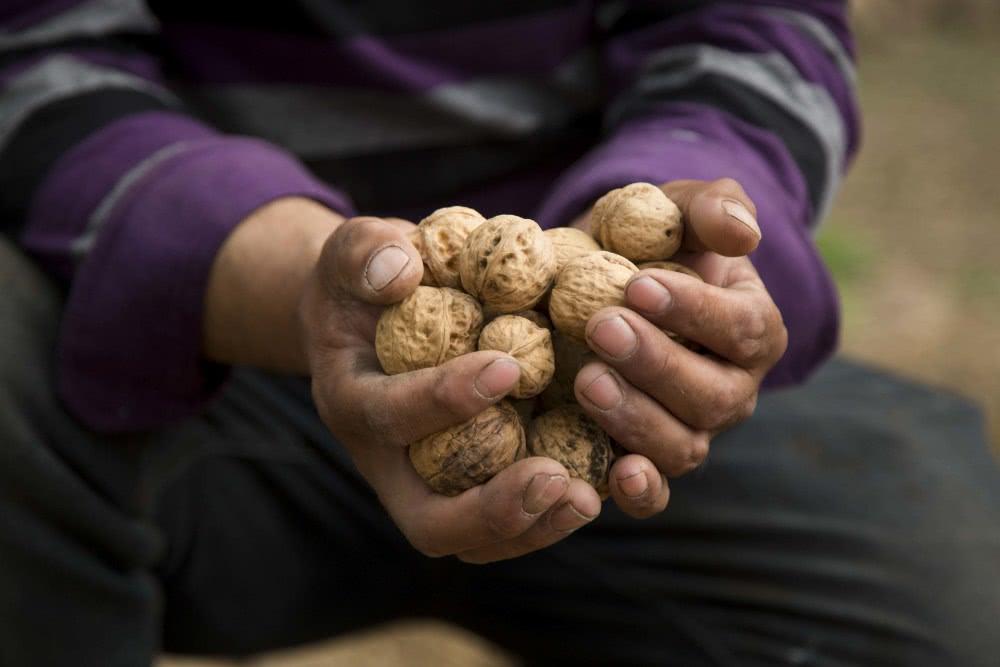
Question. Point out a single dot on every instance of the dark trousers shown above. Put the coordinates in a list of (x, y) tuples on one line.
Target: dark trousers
[(853, 521)]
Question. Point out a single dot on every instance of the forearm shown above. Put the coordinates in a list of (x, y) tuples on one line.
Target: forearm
[(252, 297)]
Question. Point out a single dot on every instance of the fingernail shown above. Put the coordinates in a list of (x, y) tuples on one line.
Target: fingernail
[(498, 378), (385, 265), (566, 518), (634, 485), (614, 336), (604, 392), (648, 295), (542, 491), (739, 211)]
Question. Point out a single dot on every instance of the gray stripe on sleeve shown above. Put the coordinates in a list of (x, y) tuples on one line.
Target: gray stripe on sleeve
[(823, 36), (770, 75), (58, 77), (96, 18), (83, 244)]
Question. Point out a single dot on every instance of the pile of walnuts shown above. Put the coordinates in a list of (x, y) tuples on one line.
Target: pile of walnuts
[(504, 284)]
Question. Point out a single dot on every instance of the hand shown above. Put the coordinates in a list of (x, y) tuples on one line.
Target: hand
[(366, 264), (658, 399)]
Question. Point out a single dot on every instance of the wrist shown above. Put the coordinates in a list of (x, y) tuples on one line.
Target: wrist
[(257, 281)]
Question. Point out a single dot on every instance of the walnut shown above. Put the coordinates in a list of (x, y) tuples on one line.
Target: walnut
[(538, 318), (638, 222), (507, 263), (441, 237), (529, 344), (587, 284), (427, 328), (571, 356), (570, 242), (671, 266), (471, 453), (525, 408), (569, 436)]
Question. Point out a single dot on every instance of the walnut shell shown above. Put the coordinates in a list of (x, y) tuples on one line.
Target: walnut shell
[(531, 347), (570, 242), (538, 318), (442, 236), (671, 266), (587, 284), (571, 356), (638, 222), (569, 436), (471, 453), (427, 328), (507, 263)]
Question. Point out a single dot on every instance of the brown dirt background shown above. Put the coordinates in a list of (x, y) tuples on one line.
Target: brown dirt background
[(914, 243)]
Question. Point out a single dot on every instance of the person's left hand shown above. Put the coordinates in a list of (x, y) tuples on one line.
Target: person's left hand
[(658, 399)]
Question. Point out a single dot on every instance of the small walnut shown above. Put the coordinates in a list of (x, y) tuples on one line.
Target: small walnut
[(427, 328), (570, 242), (507, 263), (571, 356), (442, 236), (569, 436), (680, 268), (471, 453), (531, 347), (671, 266), (638, 222), (587, 284)]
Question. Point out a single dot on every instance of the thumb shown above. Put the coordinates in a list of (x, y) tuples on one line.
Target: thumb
[(370, 260), (718, 216)]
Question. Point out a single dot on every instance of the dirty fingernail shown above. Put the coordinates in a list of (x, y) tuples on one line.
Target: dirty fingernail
[(604, 392), (566, 518), (384, 266), (737, 210), (614, 336), (543, 490), (497, 378), (648, 295)]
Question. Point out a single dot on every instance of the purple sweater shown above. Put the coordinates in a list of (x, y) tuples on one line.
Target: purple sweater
[(135, 135)]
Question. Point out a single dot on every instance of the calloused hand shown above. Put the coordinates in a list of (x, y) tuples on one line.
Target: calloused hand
[(366, 264), (660, 400)]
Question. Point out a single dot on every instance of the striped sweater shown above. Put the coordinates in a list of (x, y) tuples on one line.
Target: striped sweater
[(135, 135)]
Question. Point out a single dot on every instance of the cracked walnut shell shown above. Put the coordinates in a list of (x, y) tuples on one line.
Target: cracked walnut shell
[(567, 435), (587, 284), (531, 347), (638, 222), (427, 328), (471, 453), (507, 263), (440, 238)]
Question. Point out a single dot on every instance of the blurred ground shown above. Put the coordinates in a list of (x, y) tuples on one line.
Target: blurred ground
[(914, 243)]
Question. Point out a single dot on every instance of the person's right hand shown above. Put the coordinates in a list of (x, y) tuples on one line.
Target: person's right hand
[(366, 264)]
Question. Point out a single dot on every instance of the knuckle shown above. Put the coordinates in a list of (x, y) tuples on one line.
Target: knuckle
[(502, 525), (450, 398), (696, 452), (747, 409)]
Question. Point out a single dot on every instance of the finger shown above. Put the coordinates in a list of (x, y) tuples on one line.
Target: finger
[(637, 487), (398, 410), (405, 225), (703, 392), (502, 509), (637, 422), (577, 508), (740, 322), (370, 260), (718, 216)]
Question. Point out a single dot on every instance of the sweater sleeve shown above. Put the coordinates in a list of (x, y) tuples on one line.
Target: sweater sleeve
[(759, 91), (125, 199)]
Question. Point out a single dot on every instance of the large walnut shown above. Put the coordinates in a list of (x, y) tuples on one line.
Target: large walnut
[(569, 243), (569, 436), (471, 453), (507, 263), (427, 328), (638, 222), (587, 284), (531, 347), (441, 237)]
